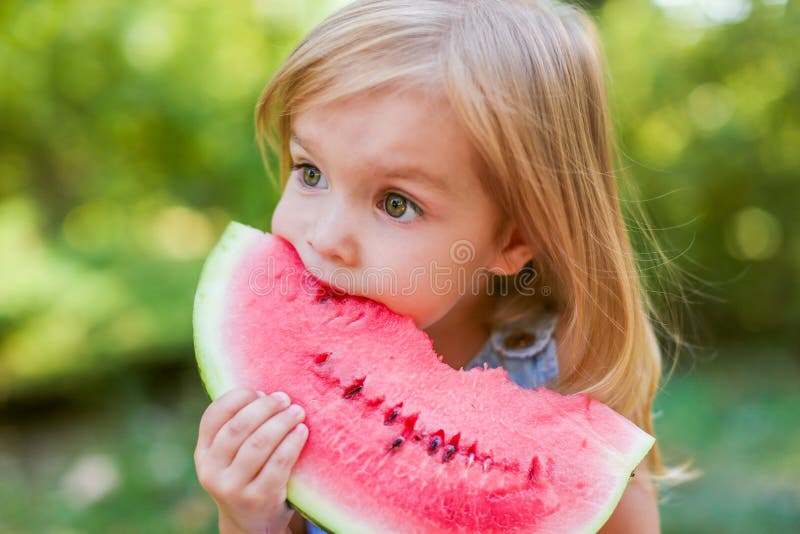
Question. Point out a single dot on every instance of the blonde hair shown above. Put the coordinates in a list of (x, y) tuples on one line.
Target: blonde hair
[(526, 80)]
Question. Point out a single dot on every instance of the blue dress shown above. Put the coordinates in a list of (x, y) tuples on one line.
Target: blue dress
[(527, 351)]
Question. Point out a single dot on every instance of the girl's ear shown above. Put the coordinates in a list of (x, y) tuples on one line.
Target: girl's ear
[(513, 256)]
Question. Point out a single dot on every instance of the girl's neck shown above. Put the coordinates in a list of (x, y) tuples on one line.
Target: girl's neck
[(459, 335)]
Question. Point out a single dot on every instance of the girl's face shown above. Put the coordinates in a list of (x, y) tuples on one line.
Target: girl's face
[(384, 202)]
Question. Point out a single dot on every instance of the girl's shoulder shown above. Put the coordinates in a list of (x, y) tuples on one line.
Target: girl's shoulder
[(526, 349)]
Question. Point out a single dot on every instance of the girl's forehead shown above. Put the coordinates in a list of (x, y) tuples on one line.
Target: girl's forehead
[(388, 124), (407, 105)]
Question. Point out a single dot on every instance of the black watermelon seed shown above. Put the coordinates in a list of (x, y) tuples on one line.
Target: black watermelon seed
[(354, 388), (449, 452), (352, 391), (397, 442), (392, 416), (435, 442)]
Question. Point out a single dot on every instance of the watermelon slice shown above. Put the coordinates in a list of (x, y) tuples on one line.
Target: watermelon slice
[(399, 441)]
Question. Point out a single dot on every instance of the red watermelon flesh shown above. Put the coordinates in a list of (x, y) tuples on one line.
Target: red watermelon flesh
[(399, 441)]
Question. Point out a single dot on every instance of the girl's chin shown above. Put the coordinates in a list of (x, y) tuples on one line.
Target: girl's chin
[(420, 317)]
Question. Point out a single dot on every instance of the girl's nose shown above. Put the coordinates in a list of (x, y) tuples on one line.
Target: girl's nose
[(332, 235)]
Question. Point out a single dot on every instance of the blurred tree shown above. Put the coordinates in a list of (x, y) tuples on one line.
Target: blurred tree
[(707, 102)]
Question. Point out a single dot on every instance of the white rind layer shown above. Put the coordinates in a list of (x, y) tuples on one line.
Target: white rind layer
[(210, 305), (325, 511), (629, 463)]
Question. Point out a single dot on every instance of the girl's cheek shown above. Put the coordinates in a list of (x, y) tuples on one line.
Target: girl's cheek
[(423, 305), (283, 217), (277, 225)]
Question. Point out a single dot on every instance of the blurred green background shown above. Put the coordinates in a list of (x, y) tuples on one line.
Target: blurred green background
[(127, 144)]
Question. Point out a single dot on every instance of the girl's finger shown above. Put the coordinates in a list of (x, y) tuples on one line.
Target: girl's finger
[(262, 443), (219, 412), (276, 471), (236, 430)]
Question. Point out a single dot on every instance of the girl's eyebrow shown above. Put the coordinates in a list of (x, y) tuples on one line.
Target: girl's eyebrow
[(296, 139), (414, 174), (408, 172)]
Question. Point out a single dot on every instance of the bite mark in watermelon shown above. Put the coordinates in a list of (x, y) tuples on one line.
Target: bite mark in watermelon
[(399, 441)]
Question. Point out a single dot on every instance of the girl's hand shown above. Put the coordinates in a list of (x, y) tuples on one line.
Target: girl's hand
[(247, 444)]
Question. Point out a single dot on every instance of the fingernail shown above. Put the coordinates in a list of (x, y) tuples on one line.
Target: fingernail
[(261, 393), (281, 397), (301, 428)]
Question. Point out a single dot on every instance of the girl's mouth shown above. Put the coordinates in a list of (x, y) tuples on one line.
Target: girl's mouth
[(329, 288)]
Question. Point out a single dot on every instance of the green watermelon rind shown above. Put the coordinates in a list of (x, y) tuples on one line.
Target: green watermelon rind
[(210, 304)]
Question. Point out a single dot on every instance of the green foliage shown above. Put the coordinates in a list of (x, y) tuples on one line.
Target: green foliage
[(708, 115), (736, 425)]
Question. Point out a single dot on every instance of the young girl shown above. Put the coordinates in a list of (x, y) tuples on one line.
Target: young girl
[(438, 140)]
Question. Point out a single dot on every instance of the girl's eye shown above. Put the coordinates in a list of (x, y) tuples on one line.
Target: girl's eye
[(310, 176), (397, 206)]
